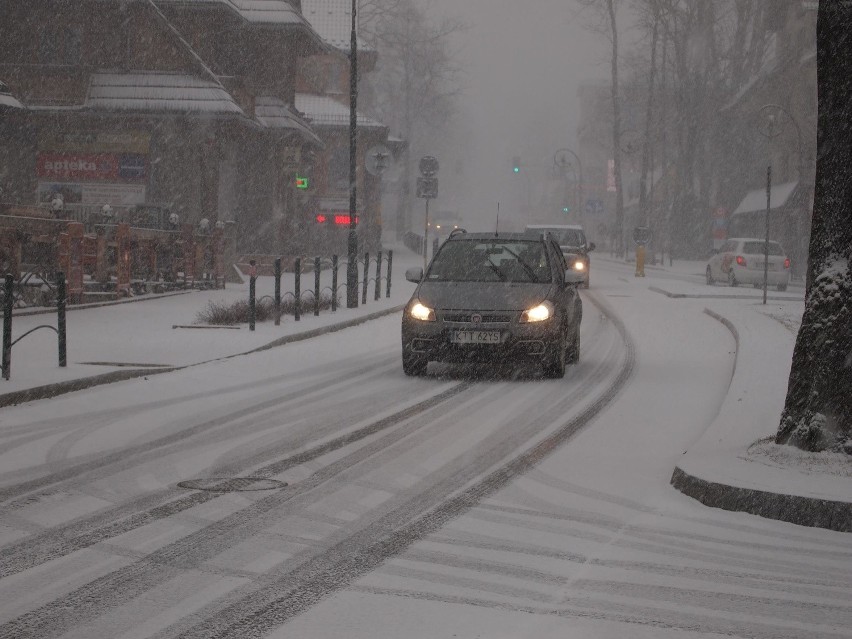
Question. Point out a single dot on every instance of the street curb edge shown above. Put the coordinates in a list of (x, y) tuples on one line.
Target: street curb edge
[(61, 388), (804, 511)]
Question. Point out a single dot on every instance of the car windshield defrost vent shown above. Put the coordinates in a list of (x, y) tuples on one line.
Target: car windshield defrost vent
[(231, 484)]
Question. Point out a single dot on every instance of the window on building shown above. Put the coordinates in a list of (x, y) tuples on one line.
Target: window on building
[(335, 76), (62, 45), (338, 169)]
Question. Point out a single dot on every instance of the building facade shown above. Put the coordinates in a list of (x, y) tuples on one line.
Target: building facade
[(164, 108)]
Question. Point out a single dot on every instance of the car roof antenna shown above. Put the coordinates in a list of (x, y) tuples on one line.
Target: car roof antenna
[(497, 226)]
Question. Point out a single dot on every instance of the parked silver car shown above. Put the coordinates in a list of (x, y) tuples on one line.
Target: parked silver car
[(740, 261)]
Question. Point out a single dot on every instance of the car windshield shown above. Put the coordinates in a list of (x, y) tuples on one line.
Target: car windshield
[(570, 237), (490, 261), (574, 238)]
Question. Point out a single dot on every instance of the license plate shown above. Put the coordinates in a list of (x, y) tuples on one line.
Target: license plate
[(475, 337), (771, 266)]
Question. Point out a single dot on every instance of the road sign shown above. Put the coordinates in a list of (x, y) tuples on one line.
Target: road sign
[(427, 188), (291, 158), (594, 206), (429, 166), (378, 160)]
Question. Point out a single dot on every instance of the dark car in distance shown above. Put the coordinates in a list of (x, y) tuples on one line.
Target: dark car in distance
[(572, 241), (494, 297)]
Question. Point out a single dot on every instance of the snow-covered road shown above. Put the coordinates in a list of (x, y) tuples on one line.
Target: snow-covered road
[(462, 504)]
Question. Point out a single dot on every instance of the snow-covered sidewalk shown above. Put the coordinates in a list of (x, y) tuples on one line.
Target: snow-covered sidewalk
[(735, 464), (123, 340)]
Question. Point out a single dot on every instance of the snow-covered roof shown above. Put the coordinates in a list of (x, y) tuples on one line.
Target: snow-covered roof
[(254, 11), (332, 20), (274, 113), (756, 200), (141, 91), (7, 99), (322, 110)]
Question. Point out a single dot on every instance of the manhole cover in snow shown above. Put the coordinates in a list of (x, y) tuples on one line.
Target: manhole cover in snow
[(231, 484)]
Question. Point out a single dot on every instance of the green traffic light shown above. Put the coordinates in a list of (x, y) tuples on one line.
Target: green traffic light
[(565, 209), (517, 169)]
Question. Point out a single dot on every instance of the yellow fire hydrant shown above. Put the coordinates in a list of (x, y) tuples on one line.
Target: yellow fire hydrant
[(640, 260)]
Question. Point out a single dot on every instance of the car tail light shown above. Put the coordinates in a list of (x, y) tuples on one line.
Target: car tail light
[(786, 262), (741, 260)]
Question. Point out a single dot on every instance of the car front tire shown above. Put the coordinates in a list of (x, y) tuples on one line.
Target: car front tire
[(414, 364), (573, 354), (554, 368), (732, 279)]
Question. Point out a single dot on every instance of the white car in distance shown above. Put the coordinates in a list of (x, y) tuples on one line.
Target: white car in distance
[(741, 260)]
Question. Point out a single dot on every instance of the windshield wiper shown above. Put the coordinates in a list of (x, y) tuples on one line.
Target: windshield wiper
[(526, 267), (497, 270)]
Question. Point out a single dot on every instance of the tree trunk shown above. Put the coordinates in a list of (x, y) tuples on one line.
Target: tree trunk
[(818, 411), (649, 118)]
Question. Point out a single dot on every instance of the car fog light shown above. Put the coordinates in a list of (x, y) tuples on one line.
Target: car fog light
[(540, 313), (422, 313)]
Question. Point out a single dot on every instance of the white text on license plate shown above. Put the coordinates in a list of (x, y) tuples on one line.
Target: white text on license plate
[(475, 337)]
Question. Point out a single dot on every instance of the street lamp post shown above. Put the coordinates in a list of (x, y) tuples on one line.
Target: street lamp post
[(352, 243), (771, 126), (561, 160)]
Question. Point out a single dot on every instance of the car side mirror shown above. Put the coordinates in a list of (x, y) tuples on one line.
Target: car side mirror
[(591, 246), (414, 274), (573, 276)]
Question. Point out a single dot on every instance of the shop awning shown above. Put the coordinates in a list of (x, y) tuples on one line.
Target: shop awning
[(322, 110), (274, 113), (172, 92), (780, 196)]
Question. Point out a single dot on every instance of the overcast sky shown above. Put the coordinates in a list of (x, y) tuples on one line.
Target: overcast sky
[(523, 63)]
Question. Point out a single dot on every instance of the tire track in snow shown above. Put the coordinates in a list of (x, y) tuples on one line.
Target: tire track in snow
[(366, 549), (153, 449), (616, 612), (113, 589), (60, 542)]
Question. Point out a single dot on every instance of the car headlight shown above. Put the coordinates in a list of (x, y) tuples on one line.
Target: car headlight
[(540, 313), (422, 313), (579, 265)]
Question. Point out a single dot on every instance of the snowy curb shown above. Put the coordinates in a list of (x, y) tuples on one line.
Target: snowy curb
[(26, 312), (60, 388), (804, 511), (796, 509)]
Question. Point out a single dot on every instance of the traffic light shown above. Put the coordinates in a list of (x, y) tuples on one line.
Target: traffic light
[(566, 209), (516, 164)]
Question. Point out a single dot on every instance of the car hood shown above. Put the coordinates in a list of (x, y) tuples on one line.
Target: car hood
[(482, 296)]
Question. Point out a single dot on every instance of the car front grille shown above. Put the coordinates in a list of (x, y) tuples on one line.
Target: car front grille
[(466, 317)]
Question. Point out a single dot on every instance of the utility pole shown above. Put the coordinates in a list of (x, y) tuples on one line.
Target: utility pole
[(352, 244)]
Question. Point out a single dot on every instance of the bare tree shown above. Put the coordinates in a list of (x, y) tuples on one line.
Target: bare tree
[(711, 50), (602, 19), (818, 410), (416, 82)]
